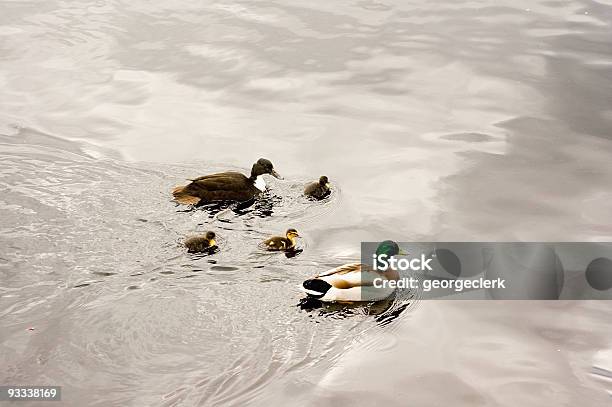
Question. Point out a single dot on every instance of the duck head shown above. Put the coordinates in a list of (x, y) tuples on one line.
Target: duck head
[(292, 234), (263, 166), (390, 248), (210, 236), (324, 181)]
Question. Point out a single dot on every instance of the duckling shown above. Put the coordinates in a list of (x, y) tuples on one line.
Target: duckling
[(354, 282), (318, 190), (225, 186), (201, 243), (276, 243)]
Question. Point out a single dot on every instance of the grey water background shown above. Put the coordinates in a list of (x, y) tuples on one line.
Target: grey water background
[(435, 121)]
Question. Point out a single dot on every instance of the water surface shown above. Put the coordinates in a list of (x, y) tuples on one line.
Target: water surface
[(448, 120)]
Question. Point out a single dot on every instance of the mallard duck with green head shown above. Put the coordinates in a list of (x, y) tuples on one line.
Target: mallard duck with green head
[(282, 243), (201, 243), (354, 282), (226, 186)]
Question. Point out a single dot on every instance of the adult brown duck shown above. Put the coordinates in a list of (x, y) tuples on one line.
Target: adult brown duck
[(226, 186)]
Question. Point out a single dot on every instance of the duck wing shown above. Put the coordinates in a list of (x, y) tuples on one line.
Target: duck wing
[(344, 269), (350, 275), (223, 181), (311, 188), (276, 243), (216, 187)]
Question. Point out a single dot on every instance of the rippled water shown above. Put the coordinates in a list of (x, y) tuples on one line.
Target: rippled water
[(434, 120)]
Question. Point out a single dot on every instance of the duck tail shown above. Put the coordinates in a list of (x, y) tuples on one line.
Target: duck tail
[(316, 287), (182, 196)]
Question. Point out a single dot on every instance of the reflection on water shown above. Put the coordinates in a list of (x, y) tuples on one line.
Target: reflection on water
[(385, 311), (434, 120)]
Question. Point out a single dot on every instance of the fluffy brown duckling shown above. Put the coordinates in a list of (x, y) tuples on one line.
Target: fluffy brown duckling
[(282, 243), (225, 186), (201, 243), (318, 190)]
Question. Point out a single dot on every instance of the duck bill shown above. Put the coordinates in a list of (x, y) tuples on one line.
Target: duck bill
[(402, 252), (212, 242), (276, 174)]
